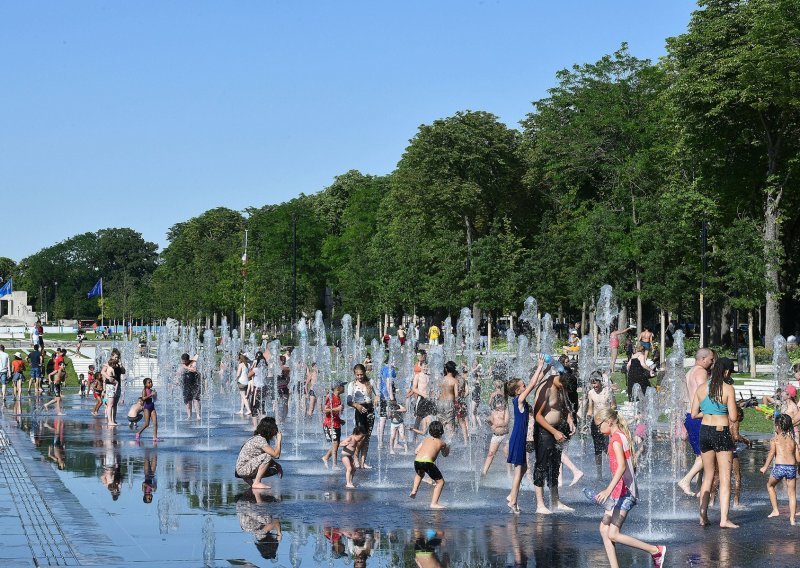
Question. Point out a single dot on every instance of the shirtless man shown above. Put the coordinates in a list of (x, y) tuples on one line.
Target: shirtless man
[(646, 341), (697, 375), (445, 406), (425, 407), (551, 403), (600, 398)]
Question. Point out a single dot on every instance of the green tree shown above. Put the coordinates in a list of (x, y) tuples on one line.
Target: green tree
[(736, 83)]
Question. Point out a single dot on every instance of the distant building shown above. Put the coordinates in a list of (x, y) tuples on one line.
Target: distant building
[(15, 311)]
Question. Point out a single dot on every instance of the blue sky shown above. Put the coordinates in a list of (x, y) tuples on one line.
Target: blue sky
[(144, 114)]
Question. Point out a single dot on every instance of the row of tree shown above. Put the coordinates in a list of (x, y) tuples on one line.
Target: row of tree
[(609, 180)]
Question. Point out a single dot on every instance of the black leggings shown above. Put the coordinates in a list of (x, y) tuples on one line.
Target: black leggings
[(366, 419), (548, 458)]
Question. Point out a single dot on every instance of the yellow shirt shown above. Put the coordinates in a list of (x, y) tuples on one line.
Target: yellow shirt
[(433, 333)]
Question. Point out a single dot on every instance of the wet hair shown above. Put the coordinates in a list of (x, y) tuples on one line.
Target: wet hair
[(435, 429), (185, 358), (282, 358), (498, 383), (267, 428), (450, 368), (715, 389), (739, 414), (146, 380), (611, 413), (596, 377), (243, 358), (116, 352), (147, 498), (511, 387), (783, 423), (358, 430), (359, 367)]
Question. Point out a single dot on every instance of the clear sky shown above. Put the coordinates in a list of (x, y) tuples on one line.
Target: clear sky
[(147, 113)]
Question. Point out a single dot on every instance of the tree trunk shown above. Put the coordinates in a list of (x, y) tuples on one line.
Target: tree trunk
[(663, 350), (751, 344), (622, 320), (772, 326), (584, 331), (724, 325), (638, 304), (702, 320)]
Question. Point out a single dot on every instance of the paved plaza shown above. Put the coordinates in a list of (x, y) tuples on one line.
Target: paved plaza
[(73, 493)]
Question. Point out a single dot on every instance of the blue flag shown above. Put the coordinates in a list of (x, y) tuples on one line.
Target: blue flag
[(97, 290), (6, 290)]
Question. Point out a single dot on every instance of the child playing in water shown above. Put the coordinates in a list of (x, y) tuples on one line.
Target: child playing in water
[(782, 447), (517, 456), (396, 414), (149, 402), (425, 462), (621, 494), (498, 424), (349, 446), (97, 391), (332, 423), (135, 413), (109, 392)]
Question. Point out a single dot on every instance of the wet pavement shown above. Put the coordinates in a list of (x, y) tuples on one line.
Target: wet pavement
[(72, 492)]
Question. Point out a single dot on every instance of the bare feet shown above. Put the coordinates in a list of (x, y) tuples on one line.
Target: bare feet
[(703, 521), (728, 525), (437, 506), (413, 495), (773, 514), (543, 511), (564, 508), (577, 478), (514, 508), (350, 486), (366, 466), (325, 461), (686, 489), (260, 485)]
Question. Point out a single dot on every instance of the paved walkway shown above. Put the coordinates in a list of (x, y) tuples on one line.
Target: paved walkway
[(41, 523)]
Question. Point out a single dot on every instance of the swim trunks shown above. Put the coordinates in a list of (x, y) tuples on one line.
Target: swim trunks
[(423, 467), (692, 426), (784, 471)]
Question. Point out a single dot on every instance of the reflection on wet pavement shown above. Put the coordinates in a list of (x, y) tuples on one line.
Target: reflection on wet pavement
[(178, 501)]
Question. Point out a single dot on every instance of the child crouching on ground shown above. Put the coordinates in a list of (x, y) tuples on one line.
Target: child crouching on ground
[(349, 446), (425, 462)]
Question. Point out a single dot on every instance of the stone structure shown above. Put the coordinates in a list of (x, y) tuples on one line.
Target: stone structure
[(15, 311)]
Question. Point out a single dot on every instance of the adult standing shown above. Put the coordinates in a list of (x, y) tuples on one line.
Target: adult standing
[(190, 380), (242, 380), (550, 407), (112, 374), (599, 399), (697, 375), (446, 405), (646, 341), (638, 372), (361, 397), (35, 361), (5, 370), (613, 342), (715, 404)]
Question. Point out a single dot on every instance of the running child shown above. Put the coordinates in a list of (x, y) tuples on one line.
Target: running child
[(332, 423), (349, 447), (396, 413), (621, 494), (149, 402), (57, 378), (782, 448), (425, 463)]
